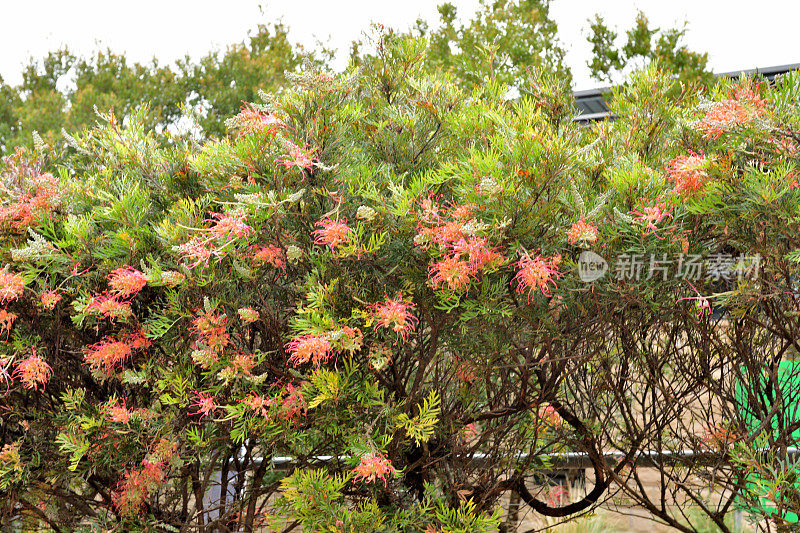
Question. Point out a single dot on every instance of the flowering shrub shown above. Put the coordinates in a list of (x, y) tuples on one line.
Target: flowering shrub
[(362, 310)]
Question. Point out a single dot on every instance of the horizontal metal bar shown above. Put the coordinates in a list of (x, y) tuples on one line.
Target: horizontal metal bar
[(554, 461)]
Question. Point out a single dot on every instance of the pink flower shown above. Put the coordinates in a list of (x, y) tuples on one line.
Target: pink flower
[(450, 271), (479, 252), (650, 215), (395, 314), (537, 273), (205, 402), (119, 413), (298, 157), (109, 307), (270, 254), (50, 299), (373, 466), (126, 281), (293, 403), (582, 231), (6, 321), (688, 173), (309, 348), (111, 353), (250, 121), (33, 371), (332, 233), (702, 303), (11, 286), (742, 109)]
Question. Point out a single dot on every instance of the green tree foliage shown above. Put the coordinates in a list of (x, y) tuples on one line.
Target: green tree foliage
[(642, 46), (502, 40)]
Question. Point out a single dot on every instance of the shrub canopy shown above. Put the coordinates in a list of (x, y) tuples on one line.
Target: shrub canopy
[(384, 269)]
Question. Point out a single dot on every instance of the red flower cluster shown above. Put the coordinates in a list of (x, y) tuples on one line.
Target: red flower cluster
[(221, 230), (583, 232), (688, 173), (11, 286), (742, 109), (31, 207), (537, 273), (269, 254), (301, 158), (649, 215), (111, 353), (373, 466), (205, 402), (313, 348), (126, 282), (137, 486), (249, 121), (33, 371), (395, 314), (332, 233)]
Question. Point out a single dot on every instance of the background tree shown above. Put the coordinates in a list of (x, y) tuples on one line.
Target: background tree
[(643, 45)]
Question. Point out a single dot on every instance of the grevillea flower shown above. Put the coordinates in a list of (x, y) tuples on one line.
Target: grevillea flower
[(395, 314), (32, 206), (702, 303), (243, 363), (332, 233), (480, 254), (198, 251), (582, 232), (258, 404), (293, 402), (50, 299), (269, 254), (688, 173), (450, 271), (373, 466), (649, 215), (6, 320), (109, 306), (126, 281), (11, 286), (118, 413), (537, 273), (111, 353), (248, 315), (33, 371), (227, 226), (744, 108), (211, 328), (137, 486), (249, 121), (301, 158), (309, 348), (549, 416), (346, 339), (205, 402)]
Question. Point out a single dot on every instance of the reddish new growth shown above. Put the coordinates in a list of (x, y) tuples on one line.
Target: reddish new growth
[(743, 109), (33, 371), (688, 173), (269, 254), (50, 299), (307, 348), (301, 158), (395, 314), (126, 281), (582, 232), (205, 402), (31, 207), (373, 466), (137, 486), (111, 353), (250, 120), (537, 273), (11, 286), (118, 413), (649, 215), (332, 233)]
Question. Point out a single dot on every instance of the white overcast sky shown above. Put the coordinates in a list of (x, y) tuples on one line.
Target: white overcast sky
[(736, 34)]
